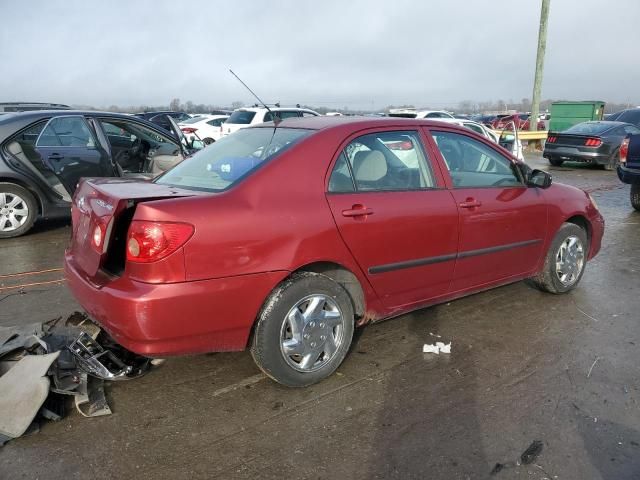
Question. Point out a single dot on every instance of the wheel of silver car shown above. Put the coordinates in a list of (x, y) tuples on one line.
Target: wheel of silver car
[(312, 333), (208, 141), (569, 260), (565, 260), (18, 210), (304, 330)]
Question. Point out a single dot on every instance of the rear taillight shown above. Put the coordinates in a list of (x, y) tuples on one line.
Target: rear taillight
[(592, 142), (99, 230), (624, 151), (152, 241), (189, 130), (552, 139)]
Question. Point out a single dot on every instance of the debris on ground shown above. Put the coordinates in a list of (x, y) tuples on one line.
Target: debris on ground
[(439, 347), (43, 363), (529, 456)]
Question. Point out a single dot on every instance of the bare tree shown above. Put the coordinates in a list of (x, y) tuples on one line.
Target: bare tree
[(174, 104)]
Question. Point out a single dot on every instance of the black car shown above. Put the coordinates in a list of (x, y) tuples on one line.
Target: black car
[(43, 154), (630, 115), (629, 167), (162, 117), (596, 142)]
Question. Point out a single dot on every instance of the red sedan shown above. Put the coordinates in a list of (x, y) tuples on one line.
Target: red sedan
[(520, 120), (283, 238)]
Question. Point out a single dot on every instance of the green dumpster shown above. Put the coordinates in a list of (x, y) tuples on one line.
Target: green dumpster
[(567, 114)]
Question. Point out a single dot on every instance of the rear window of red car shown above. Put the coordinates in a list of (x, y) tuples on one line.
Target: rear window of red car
[(227, 161)]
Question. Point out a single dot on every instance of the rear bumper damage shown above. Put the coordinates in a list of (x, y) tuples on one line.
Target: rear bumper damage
[(40, 362), (158, 320)]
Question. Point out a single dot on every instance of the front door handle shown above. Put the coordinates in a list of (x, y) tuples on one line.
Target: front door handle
[(357, 210), (55, 156), (470, 203)]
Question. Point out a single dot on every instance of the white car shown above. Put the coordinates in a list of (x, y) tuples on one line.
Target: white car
[(507, 139), (245, 117), (413, 113), (471, 125), (207, 128)]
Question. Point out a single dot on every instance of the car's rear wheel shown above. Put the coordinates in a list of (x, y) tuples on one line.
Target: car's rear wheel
[(565, 260), (304, 330), (613, 161), (556, 162), (18, 210), (208, 141), (635, 197)]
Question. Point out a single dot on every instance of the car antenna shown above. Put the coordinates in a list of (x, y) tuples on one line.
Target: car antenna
[(276, 120)]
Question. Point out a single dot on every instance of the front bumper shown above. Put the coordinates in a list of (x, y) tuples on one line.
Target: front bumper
[(597, 232), (159, 320), (574, 154), (628, 175)]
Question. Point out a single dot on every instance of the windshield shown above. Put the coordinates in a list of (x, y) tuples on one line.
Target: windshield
[(242, 117), (228, 160), (589, 128)]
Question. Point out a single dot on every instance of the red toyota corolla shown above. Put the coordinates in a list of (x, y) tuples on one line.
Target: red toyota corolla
[(281, 239)]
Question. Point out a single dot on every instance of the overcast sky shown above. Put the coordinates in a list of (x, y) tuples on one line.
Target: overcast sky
[(362, 54)]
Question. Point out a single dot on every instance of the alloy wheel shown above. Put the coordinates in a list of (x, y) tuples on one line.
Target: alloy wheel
[(569, 260), (312, 333), (14, 212)]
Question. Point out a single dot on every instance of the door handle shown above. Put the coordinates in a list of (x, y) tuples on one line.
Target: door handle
[(357, 210), (470, 203), (55, 156)]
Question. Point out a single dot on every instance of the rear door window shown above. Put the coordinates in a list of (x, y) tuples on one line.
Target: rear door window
[(66, 132), (241, 117), (382, 161), (471, 163)]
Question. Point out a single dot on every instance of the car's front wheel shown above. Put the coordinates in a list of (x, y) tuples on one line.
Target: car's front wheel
[(634, 196), (304, 330), (565, 260), (18, 210)]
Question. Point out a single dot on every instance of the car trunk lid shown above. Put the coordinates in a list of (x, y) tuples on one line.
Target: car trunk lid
[(101, 212)]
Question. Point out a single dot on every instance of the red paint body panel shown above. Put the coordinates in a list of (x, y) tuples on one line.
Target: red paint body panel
[(207, 295)]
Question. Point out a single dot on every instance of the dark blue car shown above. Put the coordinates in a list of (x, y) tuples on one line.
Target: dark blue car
[(629, 167)]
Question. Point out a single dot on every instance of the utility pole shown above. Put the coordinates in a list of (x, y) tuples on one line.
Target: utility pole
[(537, 81)]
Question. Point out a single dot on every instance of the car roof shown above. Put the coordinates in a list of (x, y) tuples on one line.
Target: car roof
[(12, 122), (353, 122), (273, 109)]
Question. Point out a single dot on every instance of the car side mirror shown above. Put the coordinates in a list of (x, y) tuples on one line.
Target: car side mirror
[(538, 178)]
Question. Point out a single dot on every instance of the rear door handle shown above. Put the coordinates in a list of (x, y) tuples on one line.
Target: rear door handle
[(470, 203), (55, 156), (357, 210)]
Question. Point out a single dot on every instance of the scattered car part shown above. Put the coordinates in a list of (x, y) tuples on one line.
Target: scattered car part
[(24, 389), (96, 360)]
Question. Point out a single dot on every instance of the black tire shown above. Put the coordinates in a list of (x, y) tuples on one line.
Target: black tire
[(547, 279), (270, 328), (208, 141), (635, 197), (613, 162), (556, 162), (28, 200)]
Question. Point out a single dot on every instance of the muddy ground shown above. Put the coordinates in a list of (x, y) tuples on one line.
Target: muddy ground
[(524, 366)]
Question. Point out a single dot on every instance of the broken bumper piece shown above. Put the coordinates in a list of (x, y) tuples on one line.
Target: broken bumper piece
[(97, 361), (82, 359)]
